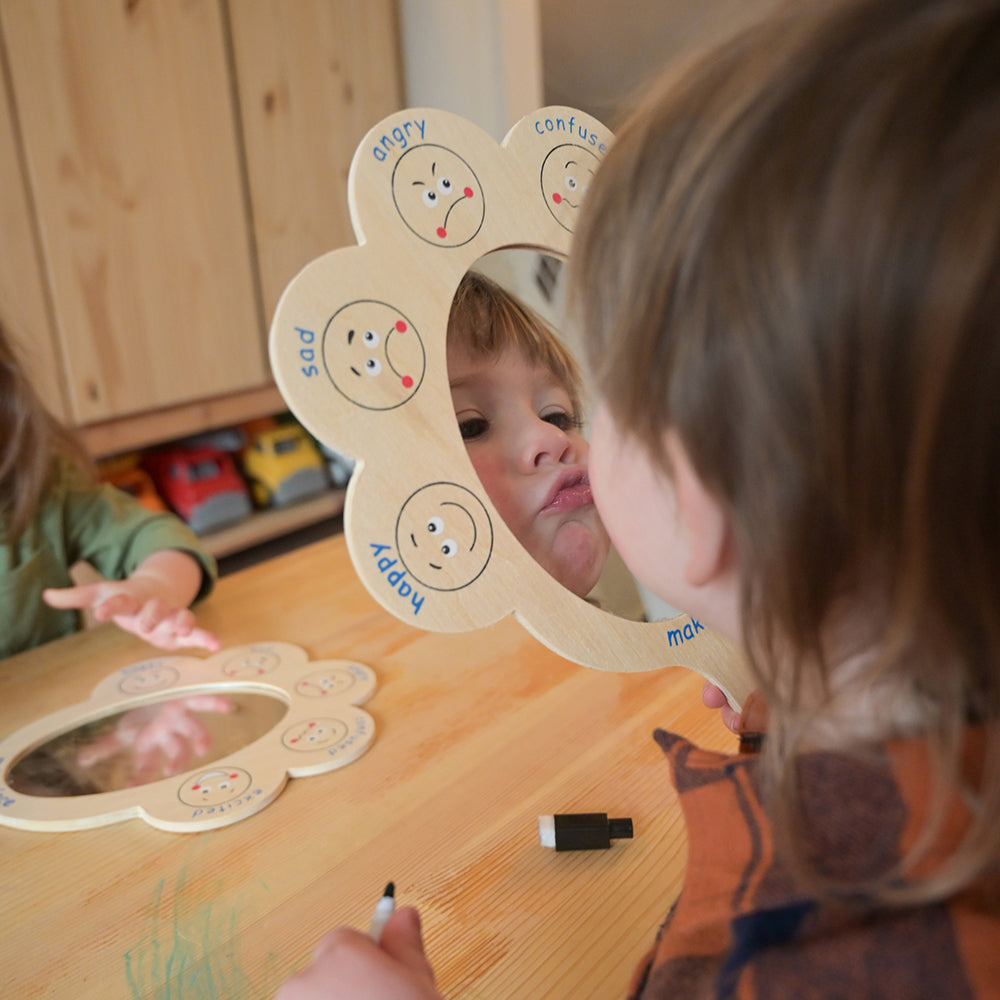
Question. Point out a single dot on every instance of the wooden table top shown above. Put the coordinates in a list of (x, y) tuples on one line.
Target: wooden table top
[(476, 735)]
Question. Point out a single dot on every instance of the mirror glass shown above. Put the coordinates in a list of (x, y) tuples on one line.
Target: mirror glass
[(521, 403), (140, 745)]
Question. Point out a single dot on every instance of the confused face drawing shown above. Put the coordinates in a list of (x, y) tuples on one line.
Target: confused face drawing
[(444, 536), (438, 195), (565, 176), (373, 354)]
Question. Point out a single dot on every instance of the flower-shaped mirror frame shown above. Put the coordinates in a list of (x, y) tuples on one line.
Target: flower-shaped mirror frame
[(357, 347), (322, 729)]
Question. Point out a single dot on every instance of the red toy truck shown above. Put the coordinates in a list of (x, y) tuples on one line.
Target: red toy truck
[(201, 484)]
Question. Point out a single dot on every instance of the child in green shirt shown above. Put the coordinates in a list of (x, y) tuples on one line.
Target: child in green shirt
[(53, 514)]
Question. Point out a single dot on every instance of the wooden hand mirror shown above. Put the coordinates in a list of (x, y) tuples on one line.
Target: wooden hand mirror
[(358, 349), (280, 715)]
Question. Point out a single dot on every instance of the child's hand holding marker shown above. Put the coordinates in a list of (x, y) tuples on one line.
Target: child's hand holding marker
[(384, 909), (387, 963)]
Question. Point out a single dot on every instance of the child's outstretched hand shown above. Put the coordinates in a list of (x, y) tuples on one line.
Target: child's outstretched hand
[(349, 965), (162, 738), (152, 603), (133, 608)]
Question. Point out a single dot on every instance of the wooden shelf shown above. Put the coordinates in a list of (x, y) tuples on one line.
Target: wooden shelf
[(156, 427), (142, 430), (264, 525)]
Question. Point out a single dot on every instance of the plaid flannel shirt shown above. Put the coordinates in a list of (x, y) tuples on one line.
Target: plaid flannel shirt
[(742, 927)]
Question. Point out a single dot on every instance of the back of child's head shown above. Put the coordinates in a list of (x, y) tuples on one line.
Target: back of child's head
[(29, 438), (487, 320), (791, 257)]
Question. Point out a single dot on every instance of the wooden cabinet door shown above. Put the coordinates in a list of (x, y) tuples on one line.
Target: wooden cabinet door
[(313, 77), (129, 133), (22, 288)]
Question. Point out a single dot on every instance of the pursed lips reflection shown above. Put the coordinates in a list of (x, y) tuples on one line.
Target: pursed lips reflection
[(570, 492)]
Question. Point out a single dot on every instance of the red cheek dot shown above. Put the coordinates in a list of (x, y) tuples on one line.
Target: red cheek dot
[(400, 326), (556, 197), (407, 384), (195, 788), (442, 232), (468, 192)]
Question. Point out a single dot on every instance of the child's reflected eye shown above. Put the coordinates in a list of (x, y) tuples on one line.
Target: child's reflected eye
[(473, 427), (566, 422)]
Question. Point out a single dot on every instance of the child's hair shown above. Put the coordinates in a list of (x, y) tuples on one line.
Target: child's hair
[(791, 257), (30, 437), (488, 320)]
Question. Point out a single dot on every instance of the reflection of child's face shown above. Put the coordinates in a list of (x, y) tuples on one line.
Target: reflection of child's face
[(525, 444)]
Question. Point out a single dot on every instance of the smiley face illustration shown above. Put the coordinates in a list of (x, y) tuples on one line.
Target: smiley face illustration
[(213, 788), (252, 662), (314, 734), (373, 354), (145, 677), (326, 683), (565, 176), (438, 195), (444, 536)]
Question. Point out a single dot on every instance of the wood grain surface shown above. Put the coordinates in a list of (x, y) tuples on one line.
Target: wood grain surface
[(476, 735)]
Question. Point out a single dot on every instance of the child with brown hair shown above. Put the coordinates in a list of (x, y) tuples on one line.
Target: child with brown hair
[(516, 393), (53, 514), (787, 273)]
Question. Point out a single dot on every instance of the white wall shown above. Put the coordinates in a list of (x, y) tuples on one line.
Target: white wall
[(494, 61), (481, 59), (597, 54)]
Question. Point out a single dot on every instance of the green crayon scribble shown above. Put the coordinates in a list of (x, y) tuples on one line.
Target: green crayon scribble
[(193, 954)]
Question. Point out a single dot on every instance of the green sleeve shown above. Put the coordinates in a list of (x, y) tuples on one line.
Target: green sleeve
[(112, 531)]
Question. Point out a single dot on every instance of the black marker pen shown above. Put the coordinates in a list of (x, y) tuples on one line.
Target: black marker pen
[(383, 910)]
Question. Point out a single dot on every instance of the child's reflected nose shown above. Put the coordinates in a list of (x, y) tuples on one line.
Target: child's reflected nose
[(547, 444)]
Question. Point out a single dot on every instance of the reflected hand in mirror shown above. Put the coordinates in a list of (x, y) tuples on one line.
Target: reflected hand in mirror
[(140, 745), (164, 739), (516, 392)]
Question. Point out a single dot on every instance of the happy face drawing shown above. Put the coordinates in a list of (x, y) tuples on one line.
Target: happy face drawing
[(438, 195), (444, 536), (565, 176), (373, 354)]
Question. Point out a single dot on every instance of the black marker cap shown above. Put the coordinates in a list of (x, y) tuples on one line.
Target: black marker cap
[(582, 831)]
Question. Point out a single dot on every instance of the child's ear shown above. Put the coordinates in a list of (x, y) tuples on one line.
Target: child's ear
[(706, 525)]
